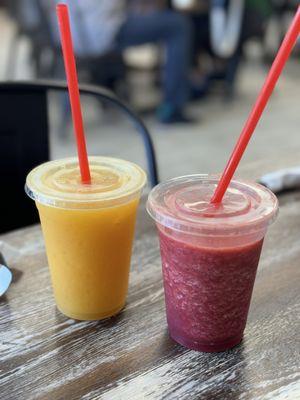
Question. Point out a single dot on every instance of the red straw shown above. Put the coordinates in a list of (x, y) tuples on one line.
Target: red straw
[(71, 72), (261, 102)]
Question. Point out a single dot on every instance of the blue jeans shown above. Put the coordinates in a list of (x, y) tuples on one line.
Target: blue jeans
[(174, 31)]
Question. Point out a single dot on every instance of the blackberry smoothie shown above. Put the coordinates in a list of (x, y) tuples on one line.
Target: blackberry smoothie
[(209, 256), (207, 292)]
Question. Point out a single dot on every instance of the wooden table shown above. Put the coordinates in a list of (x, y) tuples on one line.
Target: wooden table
[(44, 355)]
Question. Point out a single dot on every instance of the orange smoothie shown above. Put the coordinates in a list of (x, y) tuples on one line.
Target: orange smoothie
[(88, 232)]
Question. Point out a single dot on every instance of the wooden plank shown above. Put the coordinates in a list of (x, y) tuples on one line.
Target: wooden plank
[(44, 355)]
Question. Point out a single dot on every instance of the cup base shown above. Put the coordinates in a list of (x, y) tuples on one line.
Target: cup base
[(93, 316), (206, 347)]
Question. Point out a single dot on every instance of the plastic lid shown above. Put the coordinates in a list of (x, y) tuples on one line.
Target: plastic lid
[(58, 183), (183, 204)]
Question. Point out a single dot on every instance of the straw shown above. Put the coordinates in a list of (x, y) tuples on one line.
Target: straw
[(261, 102), (72, 79)]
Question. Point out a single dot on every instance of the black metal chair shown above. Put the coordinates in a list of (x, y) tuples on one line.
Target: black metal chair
[(24, 142)]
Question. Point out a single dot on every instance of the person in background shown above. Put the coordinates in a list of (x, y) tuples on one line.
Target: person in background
[(253, 23), (101, 26)]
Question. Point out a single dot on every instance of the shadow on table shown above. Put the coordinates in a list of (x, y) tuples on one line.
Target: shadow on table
[(216, 376), (86, 327), (205, 375), (6, 318), (229, 377), (16, 274)]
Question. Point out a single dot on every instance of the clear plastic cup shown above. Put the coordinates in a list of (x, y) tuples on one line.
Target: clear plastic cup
[(210, 255), (88, 231)]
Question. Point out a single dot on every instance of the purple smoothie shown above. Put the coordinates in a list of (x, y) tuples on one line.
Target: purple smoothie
[(210, 255), (207, 292)]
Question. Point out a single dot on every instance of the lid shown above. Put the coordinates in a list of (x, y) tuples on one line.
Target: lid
[(183, 204), (58, 183)]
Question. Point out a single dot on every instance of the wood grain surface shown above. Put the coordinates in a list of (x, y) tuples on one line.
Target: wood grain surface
[(44, 355)]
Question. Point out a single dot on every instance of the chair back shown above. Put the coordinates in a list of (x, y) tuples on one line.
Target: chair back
[(23, 145), (24, 142)]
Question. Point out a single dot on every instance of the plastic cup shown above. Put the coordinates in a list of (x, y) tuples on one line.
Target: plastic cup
[(88, 231), (210, 255)]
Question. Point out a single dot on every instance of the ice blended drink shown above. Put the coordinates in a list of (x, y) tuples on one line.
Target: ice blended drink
[(88, 231), (210, 255)]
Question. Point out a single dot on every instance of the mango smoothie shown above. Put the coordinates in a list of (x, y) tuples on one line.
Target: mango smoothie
[(88, 232)]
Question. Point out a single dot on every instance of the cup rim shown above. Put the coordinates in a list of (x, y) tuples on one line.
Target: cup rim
[(83, 199), (257, 220)]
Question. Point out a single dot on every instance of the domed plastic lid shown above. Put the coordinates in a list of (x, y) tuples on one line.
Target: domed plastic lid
[(183, 204), (58, 183)]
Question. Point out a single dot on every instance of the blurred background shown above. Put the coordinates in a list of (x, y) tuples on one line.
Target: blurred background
[(190, 69)]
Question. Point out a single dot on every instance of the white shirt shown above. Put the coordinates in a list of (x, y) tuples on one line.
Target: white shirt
[(94, 24)]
